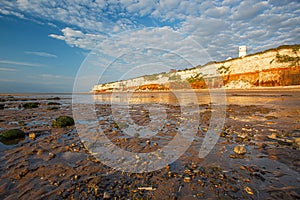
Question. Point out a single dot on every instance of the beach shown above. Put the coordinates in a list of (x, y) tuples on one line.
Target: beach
[(256, 154)]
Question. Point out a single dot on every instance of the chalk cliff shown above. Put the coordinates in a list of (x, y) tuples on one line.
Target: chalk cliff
[(273, 67)]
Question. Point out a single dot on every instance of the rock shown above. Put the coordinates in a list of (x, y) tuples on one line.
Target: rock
[(106, 195), (13, 133), (30, 105), (249, 190), (63, 121), (200, 195), (187, 179), (147, 188), (242, 135), (261, 145), (21, 123), (272, 136), (53, 108), (223, 134), (22, 173), (54, 98), (187, 171), (51, 155), (240, 150), (297, 141), (53, 103), (285, 141), (32, 136), (193, 166), (282, 141), (76, 177)]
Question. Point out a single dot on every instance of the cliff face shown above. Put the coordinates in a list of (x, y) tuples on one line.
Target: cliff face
[(274, 67)]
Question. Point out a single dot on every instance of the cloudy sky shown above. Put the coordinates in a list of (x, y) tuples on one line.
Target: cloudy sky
[(44, 44)]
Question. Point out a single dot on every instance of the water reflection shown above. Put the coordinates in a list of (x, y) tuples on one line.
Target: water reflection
[(282, 100), (176, 97)]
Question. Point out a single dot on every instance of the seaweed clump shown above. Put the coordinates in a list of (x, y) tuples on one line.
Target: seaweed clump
[(63, 121), (13, 134), (30, 105)]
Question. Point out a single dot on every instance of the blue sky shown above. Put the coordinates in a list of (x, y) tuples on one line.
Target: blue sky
[(44, 44)]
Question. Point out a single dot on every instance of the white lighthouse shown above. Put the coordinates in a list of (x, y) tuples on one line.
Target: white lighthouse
[(242, 51)]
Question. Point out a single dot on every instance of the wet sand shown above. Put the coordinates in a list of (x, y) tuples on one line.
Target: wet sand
[(57, 165)]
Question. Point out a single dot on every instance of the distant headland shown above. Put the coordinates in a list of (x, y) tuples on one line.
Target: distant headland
[(273, 67)]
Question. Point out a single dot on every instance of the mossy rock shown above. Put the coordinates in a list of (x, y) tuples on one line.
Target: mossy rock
[(53, 108), (63, 121), (13, 133), (31, 105), (53, 103), (54, 98)]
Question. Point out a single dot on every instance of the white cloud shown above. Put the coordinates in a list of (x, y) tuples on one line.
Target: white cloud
[(218, 26), (7, 69), (217, 12), (6, 12), (51, 76), (79, 39), (10, 62), (249, 9), (39, 53)]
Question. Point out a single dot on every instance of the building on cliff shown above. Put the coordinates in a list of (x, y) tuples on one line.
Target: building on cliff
[(242, 51)]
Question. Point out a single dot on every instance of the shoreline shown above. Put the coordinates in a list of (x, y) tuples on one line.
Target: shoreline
[(276, 88)]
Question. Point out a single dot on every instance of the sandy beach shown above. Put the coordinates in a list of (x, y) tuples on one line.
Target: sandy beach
[(56, 164)]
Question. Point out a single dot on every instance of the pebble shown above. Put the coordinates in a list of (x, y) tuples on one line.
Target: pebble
[(242, 135), (32, 136), (51, 155), (249, 190), (187, 179), (106, 195), (193, 165), (272, 136), (297, 141), (39, 152), (146, 188), (240, 150)]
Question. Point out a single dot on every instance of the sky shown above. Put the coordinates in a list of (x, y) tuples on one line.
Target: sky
[(57, 45)]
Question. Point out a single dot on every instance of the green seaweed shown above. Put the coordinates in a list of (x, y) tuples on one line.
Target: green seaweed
[(53, 108), (30, 105), (53, 98), (13, 133), (63, 121), (53, 103)]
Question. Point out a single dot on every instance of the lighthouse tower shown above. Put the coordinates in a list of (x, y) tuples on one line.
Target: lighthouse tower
[(242, 51)]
